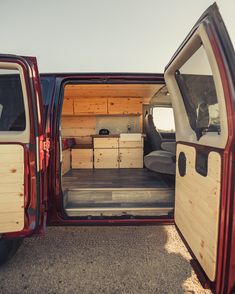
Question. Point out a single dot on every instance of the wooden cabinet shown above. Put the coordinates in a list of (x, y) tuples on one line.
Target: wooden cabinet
[(131, 144), (106, 143), (115, 153), (125, 106), (67, 108), (106, 152), (102, 106), (106, 158), (131, 158), (93, 106), (82, 158), (66, 161), (131, 153)]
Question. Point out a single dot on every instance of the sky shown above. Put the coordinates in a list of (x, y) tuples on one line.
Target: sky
[(101, 35)]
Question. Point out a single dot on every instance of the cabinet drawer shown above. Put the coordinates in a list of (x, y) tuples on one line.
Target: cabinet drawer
[(82, 158), (106, 158), (106, 142), (131, 158), (131, 144)]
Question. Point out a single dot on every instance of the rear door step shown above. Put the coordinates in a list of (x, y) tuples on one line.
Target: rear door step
[(119, 202), (119, 211)]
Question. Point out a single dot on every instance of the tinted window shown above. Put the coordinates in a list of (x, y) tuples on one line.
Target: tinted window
[(12, 112), (163, 119), (197, 87)]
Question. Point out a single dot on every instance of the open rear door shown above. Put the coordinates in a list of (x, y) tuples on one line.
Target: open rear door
[(21, 147), (200, 79)]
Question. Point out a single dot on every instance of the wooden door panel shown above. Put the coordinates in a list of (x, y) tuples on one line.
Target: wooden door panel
[(131, 158), (12, 188), (197, 207), (82, 158), (106, 158)]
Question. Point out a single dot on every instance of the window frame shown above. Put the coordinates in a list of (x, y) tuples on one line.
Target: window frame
[(163, 106), (182, 86), (184, 132), (24, 135)]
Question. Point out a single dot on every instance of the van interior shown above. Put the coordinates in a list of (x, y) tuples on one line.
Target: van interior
[(118, 151)]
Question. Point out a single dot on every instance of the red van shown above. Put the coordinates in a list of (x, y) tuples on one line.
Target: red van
[(90, 149)]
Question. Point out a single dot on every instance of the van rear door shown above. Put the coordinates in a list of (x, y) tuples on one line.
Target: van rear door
[(21, 147), (201, 80)]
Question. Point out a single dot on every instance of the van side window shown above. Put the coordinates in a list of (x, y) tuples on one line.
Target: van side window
[(163, 119), (197, 88), (12, 111)]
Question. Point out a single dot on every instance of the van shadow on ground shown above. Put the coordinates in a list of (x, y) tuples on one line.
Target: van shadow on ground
[(147, 259)]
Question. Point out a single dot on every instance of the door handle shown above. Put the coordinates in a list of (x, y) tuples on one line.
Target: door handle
[(202, 163), (182, 164)]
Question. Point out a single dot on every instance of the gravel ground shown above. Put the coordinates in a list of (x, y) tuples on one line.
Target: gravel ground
[(147, 259)]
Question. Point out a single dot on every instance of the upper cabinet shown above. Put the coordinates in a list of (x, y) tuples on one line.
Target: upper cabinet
[(102, 106), (125, 106), (90, 106)]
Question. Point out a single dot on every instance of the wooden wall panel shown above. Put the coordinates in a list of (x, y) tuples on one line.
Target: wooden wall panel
[(67, 108), (125, 105), (75, 126), (118, 124), (91, 106), (128, 90), (11, 188), (197, 207)]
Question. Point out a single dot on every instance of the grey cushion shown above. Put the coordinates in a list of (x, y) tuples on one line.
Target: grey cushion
[(160, 161), (169, 146), (153, 135)]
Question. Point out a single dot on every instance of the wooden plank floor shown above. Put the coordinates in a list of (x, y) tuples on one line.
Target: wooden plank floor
[(113, 178)]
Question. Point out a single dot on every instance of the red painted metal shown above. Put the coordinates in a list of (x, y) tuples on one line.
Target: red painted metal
[(225, 258), (44, 145), (60, 221), (30, 188)]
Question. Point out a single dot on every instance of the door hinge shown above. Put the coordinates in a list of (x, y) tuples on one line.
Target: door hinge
[(46, 145)]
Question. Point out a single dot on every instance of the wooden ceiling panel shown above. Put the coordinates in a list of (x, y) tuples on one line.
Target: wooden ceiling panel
[(145, 91)]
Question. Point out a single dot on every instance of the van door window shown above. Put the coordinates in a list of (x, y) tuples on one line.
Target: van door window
[(163, 119), (12, 111), (197, 88)]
